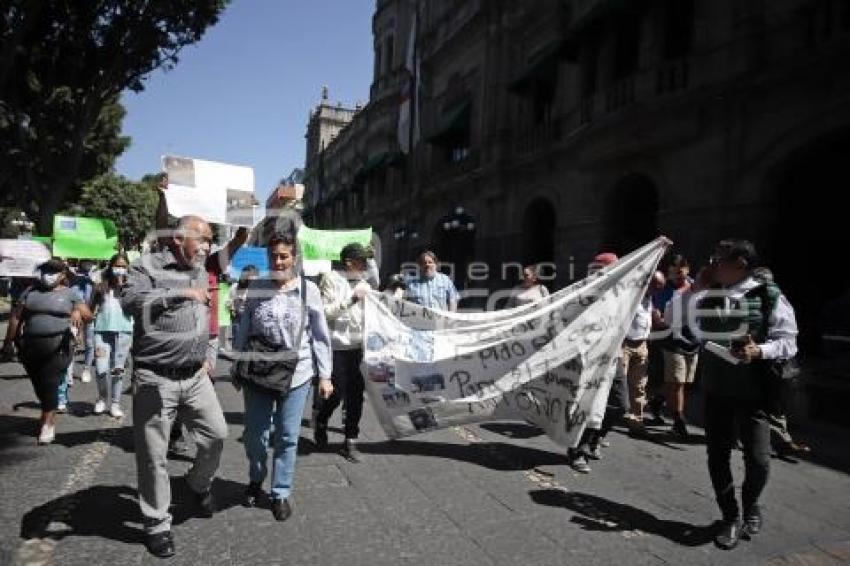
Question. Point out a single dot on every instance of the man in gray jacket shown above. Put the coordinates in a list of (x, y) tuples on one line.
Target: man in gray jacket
[(167, 295)]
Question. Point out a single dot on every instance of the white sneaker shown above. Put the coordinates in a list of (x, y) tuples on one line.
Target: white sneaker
[(62, 408), (100, 407), (47, 434), (115, 411), (85, 377)]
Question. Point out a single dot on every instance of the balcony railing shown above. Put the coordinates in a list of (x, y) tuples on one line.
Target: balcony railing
[(539, 137), (446, 170), (587, 110), (621, 93), (673, 76)]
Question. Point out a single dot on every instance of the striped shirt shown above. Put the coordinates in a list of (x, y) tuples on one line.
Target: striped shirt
[(169, 330)]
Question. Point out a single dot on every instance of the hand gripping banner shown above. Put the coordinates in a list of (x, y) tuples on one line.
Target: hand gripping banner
[(550, 363)]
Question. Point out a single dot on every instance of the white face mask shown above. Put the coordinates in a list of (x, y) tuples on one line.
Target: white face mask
[(119, 271), (200, 259), (50, 280)]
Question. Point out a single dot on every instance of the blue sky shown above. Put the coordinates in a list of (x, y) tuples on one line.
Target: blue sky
[(242, 94)]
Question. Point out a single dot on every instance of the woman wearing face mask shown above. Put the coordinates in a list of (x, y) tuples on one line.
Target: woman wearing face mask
[(113, 332), (284, 315), (42, 324)]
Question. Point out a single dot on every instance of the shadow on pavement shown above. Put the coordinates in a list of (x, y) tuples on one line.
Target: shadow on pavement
[(103, 511), (13, 428), (494, 455), (513, 430), (14, 376), (599, 514), (17, 440), (112, 512)]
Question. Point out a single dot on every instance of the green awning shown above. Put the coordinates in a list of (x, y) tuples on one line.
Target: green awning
[(375, 162), (454, 123)]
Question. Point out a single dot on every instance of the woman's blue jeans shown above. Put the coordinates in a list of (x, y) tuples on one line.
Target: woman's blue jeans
[(262, 409), (110, 356)]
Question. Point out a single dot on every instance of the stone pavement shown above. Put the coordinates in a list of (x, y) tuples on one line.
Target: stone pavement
[(493, 494)]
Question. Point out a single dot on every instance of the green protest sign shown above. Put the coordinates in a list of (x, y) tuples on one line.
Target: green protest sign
[(46, 240), (326, 244), (84, 238)]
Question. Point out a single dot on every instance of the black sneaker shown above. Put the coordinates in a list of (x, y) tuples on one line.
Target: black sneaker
[(729, 535), (655, 407), (204, 503), (350, 451), (320, 437), (281, 509), (637, 429), (160, 545), (680, 429), (253, 494), (655, 420), (753, 521)]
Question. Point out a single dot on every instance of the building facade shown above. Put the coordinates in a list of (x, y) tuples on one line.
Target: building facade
[(550, 130)]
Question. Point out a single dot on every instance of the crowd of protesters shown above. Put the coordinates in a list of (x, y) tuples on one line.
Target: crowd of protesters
[(149, 311)]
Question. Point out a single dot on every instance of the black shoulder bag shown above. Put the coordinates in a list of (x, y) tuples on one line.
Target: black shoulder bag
[(780, 369), (270, 366)]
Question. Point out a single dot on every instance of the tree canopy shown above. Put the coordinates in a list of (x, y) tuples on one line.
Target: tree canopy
[(129, 204), (63, 67)]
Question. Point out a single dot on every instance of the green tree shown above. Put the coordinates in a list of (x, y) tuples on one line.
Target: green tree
[(63, 67), (129, 204)]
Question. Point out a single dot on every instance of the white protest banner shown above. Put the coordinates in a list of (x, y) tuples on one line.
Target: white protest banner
[(217, 192), (19, 258), (550, 362)]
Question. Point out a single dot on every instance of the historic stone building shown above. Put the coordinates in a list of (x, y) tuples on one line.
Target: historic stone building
[(563, 128)]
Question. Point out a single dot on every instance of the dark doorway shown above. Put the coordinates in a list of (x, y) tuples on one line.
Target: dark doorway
[(631, 214), (808, 235), (538, 232), (454, 243)]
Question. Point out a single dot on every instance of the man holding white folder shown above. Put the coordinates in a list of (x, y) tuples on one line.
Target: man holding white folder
[(748, 327)]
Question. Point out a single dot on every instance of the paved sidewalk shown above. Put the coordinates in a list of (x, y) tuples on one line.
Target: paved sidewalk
[(493, 494)]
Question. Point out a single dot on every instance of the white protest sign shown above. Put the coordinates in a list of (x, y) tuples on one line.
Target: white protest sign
[(550, 362), (19, 258), (217, 192)]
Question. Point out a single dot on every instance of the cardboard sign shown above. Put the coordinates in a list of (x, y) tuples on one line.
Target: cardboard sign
[(84, 238), (326, 244), (19, 258), (217, 192), (248, 255)]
